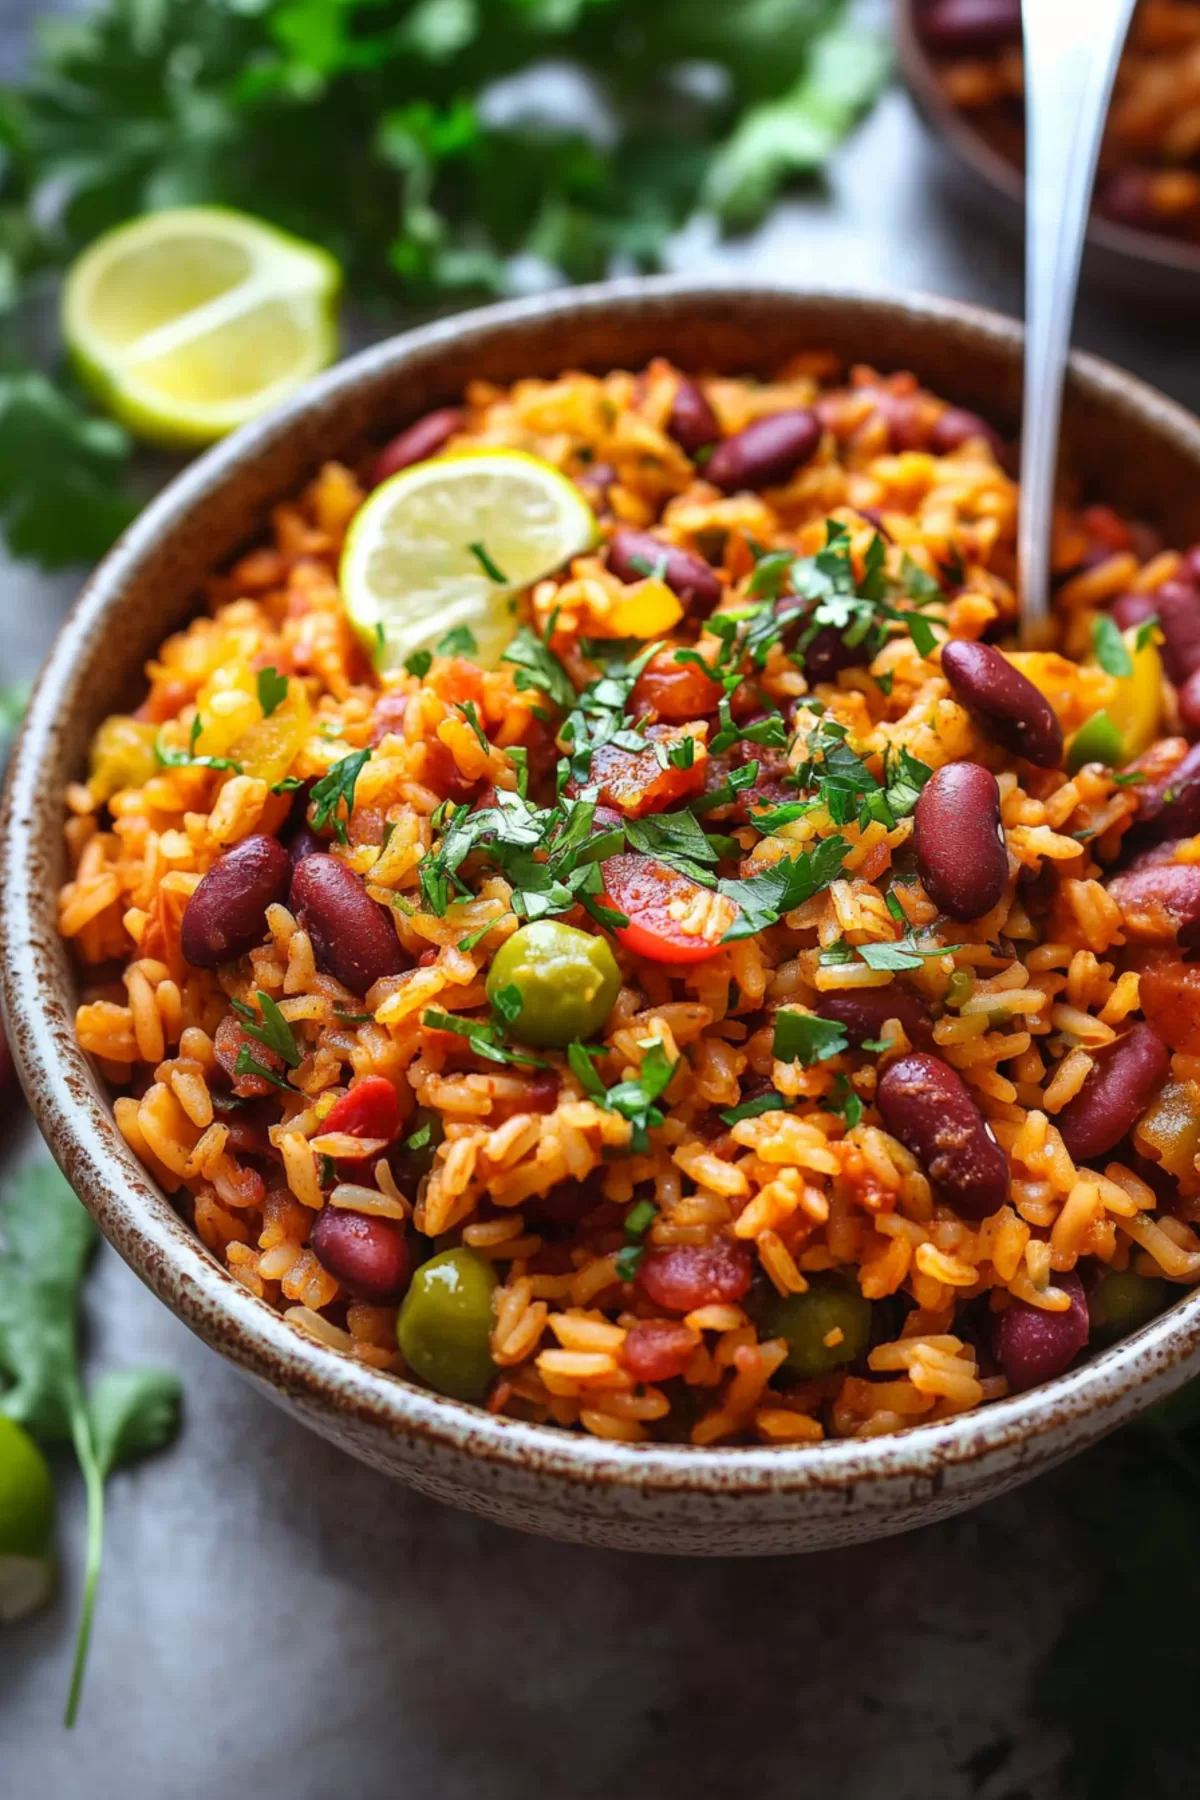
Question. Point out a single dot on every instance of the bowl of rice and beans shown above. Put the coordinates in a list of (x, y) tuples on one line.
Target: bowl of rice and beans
[(604, 941)]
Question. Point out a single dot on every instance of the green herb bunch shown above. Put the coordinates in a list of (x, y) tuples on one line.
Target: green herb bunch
[(391, 133)]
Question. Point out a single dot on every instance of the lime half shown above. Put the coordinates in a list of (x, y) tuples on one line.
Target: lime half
[(26, 1524), (449, 543), (185, 324)]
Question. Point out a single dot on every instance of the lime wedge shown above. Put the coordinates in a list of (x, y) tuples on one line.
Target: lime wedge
[(26, 1524), (187, 323), (448, 543)]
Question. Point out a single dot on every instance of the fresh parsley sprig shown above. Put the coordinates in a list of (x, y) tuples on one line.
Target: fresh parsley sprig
[(335, 791)]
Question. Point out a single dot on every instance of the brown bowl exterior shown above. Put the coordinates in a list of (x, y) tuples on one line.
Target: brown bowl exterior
[(1128, 443), (1152, 270)]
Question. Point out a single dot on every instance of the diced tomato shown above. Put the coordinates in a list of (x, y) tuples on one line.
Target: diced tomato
[(458, 680), (682, 1277), (658, 1349), (635, 781), (644, 890), (387, 716), (678, 691), (369, 1110), (442, 773)]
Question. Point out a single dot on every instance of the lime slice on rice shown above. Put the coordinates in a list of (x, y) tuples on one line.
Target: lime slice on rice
[(186, 323), (449, 543), (26, 1524)]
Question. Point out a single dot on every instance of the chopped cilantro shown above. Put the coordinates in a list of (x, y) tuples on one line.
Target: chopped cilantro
[(273, 1030), (419, 663), (467, 709), (804, 1038), (479, 552), (763, 899), (1108, 647), (753, 1109), (508, 1002), (187, 759), (633, 1100), (537, 666), (248, 1064), (482, 1037), (272, 688), (458, 641), (335, 789)]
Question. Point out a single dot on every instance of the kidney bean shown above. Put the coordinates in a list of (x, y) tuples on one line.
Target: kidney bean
[(1129, 610), (1008, 706), (827, 653), (929, 1107), (353, 938), (1113, 1098), (865, 1011), (765, 453), (692, 422), (659, 1349), (1033, 1345), (1189, 565), (305, 843), (957, 427), (1160, 904), (960, 849), (366, 1255), (632, 555), (226, 916), (1169, 805), (1188, 698), (1169, 996), (682, 1277), (1177, 604), (367, 1110), (967, 27), (417, 443)]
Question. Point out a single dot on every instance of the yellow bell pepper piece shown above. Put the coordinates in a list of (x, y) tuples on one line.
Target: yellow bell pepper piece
[(122, 756), (1136, 707), (269, 748), (645, 610)]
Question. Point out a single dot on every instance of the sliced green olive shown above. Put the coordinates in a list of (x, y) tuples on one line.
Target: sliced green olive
[(825, 1328)]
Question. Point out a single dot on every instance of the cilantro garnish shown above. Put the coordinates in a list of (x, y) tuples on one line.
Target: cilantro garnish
[(1108, 646), (763, 899), (537, 666), (633, 1100), (897, 957), (804, 1038), (272, 688), (844, 1100), (335, 790), (273, 1031), (467, 709), (753, 1109), (187, 759), (248, 1064), (479, 552), (458, 641), (638, 1221), (483, 1038), (1146, 631), (419, 663), (508, 1002)]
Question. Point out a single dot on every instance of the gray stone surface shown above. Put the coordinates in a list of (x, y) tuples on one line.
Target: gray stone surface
[(276, 1620)]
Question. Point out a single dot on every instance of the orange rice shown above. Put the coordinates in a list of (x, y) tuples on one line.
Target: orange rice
[(815, 1186)]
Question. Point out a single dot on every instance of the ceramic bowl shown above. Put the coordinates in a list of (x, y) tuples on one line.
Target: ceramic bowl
[(1147, 267), (1129, 446)]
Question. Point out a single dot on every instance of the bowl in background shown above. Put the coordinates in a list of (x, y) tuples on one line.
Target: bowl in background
[(1151, 268), (1127, 444)]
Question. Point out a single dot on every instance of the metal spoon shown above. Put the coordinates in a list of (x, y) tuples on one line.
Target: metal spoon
[(1072, 48)]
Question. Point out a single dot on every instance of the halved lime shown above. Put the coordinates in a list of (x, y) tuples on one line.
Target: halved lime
[(449, 543), (186, 323), (26, 1524)]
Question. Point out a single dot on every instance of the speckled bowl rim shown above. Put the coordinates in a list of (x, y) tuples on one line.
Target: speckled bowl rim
[(77, 1121), (1135, 253)]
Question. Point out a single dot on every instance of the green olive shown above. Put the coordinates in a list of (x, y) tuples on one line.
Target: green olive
[(567, 981), (808, 1320), (445, 1324), (1123, 1300)]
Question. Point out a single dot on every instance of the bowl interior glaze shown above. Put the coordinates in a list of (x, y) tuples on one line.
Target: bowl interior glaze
[(1127, 444)]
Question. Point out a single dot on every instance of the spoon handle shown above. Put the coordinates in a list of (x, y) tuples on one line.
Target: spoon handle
[(1072, 48)]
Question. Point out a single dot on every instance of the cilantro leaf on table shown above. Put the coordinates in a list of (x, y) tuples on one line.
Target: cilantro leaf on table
[(46, 1243), (62, 494)]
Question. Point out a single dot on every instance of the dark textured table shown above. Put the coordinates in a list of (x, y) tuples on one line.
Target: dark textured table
[(275, 1620)]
